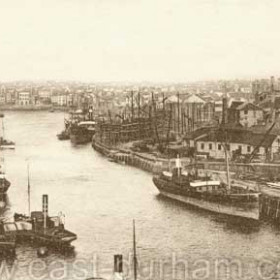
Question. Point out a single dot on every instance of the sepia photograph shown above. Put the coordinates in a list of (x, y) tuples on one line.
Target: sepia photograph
[(139, 140)]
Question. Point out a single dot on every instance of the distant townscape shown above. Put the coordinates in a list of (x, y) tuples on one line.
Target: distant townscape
[(191, 112), (207, 96)]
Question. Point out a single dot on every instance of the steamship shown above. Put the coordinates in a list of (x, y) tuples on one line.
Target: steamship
[(82, 132), (207, 194)]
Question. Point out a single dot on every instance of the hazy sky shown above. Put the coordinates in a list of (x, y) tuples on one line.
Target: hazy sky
[(134, 40)]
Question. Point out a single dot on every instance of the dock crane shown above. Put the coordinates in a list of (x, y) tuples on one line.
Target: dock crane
[(273, 117)]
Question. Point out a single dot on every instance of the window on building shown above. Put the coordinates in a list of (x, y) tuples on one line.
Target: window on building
[(245, 112), (210, 146), (248, 149), (202, 146), (219, 147)]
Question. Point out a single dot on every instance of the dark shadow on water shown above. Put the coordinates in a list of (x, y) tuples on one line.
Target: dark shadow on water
[(67, 254), (238, 225), (80, 146), (272, 225), (229, 223), (8, 259)]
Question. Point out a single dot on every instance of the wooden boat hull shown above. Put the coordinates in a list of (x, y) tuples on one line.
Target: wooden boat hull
[(234, 208)]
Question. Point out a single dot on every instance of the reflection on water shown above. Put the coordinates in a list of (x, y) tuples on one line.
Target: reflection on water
[(233, 224), (100, 198)]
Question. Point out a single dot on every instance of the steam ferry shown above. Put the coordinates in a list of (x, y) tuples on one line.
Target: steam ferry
[(207, 194)]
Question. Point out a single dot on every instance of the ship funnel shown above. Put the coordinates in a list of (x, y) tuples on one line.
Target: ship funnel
[(118, 267), (90, 113), (45, 208), (178, 165)]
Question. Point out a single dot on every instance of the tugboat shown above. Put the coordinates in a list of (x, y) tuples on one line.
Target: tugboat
[(204, 193), (42, 229)]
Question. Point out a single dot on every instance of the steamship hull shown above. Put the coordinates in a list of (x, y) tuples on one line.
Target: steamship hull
[(239, 208)]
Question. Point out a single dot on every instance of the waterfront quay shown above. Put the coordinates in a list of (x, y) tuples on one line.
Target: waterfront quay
[(100, 199)]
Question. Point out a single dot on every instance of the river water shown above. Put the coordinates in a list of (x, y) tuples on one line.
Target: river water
[(101, 198)]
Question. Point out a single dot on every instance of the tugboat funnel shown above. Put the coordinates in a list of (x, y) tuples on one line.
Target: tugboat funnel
[(45, 209)]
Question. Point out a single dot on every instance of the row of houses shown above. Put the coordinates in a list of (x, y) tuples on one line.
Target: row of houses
[(238, 141), (28, 98)]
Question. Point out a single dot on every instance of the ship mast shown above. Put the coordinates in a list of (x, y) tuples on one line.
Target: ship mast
[(28, 189), (3, 129), (2, 138), (227, 164), (134, 253), (225, 145)]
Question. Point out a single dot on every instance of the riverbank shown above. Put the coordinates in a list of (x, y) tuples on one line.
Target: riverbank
[(149, 162), (155, 164), (144, 161)]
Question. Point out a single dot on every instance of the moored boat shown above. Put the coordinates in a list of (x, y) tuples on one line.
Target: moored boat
[(40, 228), (6, 144), (82, 132), (207, 194)]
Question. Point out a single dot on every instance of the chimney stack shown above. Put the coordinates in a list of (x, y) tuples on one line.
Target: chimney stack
[(45, 209), (272, 82), (225, 111)]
